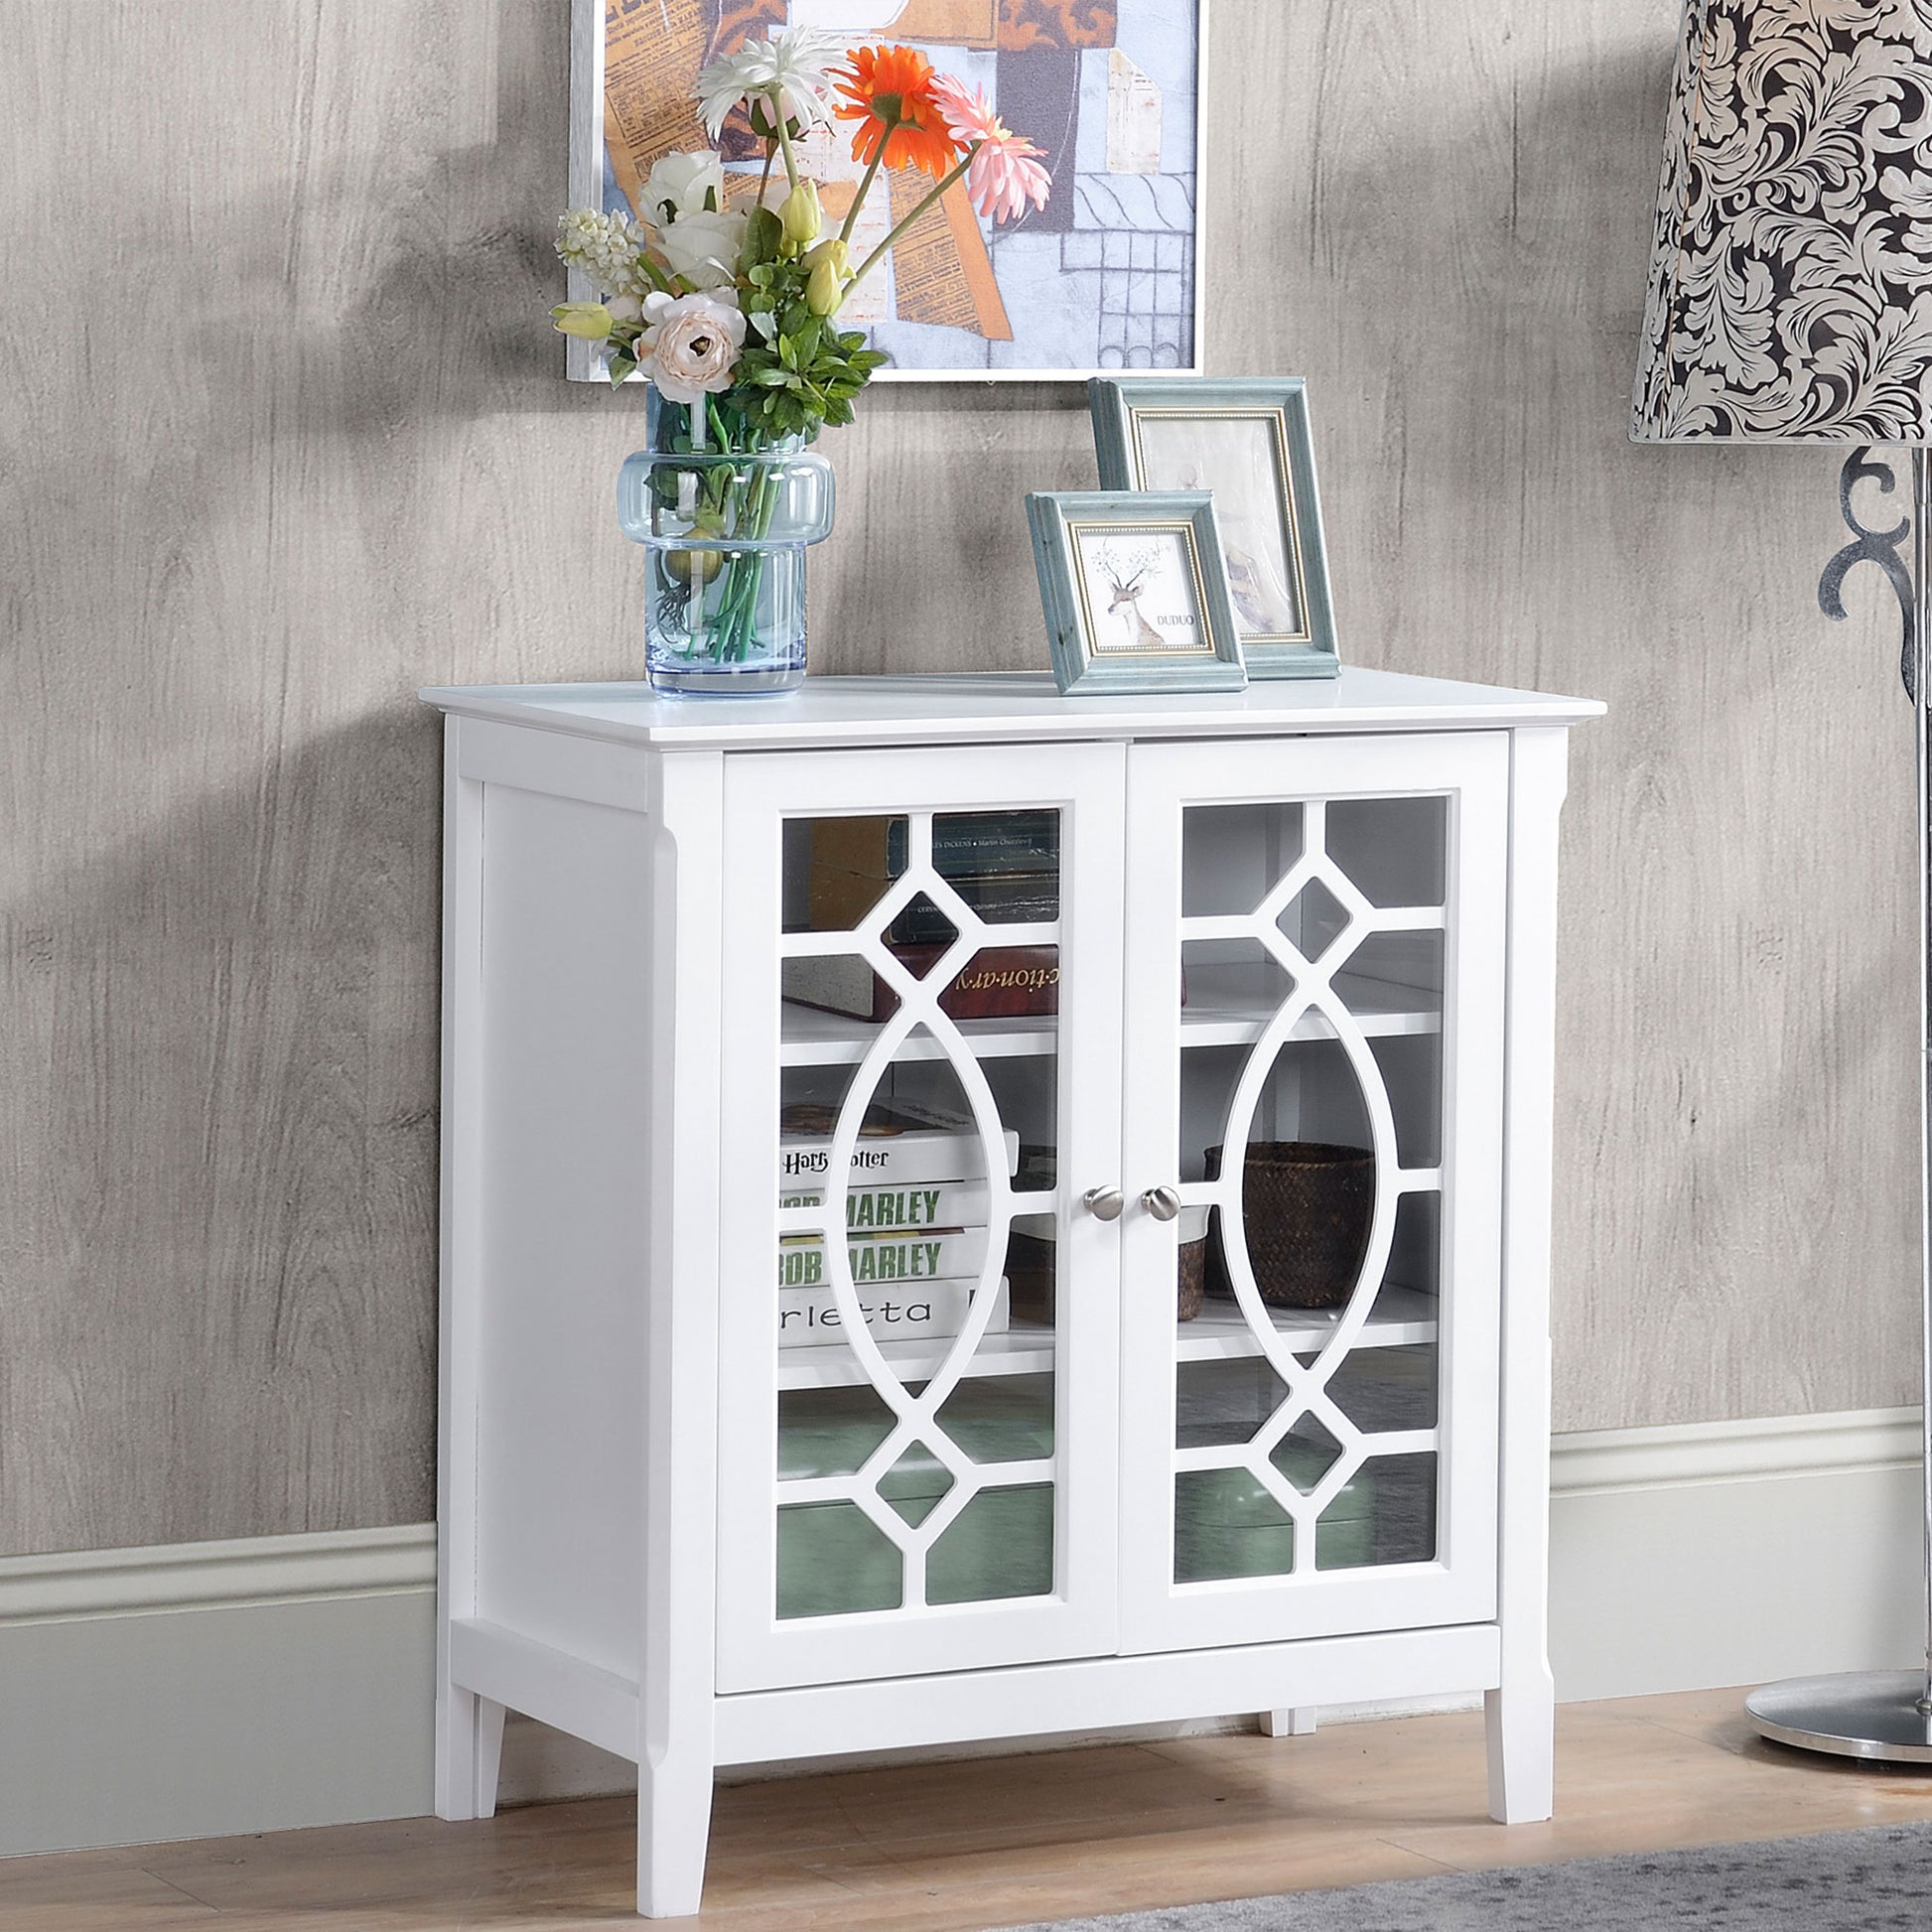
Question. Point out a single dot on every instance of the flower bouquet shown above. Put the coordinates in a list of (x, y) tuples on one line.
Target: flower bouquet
[(726, 295)]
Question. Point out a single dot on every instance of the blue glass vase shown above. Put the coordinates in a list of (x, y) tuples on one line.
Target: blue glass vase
[(725, 532)]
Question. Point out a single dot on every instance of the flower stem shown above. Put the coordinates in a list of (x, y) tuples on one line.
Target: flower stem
[(658, 279), (864, 185), (872, 260), (785, 138), (737, 609)]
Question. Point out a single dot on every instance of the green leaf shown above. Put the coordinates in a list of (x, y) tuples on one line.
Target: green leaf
[(620, 367), (763, 236)]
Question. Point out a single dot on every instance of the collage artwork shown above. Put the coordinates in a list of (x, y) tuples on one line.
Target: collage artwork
[(1102, 278)]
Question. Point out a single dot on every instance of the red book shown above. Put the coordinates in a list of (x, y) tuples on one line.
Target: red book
[(996, 983)]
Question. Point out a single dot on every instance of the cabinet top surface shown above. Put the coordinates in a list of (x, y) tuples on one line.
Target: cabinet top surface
[(969, 707)]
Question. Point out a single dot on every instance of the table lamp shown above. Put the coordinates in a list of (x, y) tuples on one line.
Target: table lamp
[(1790, 302)]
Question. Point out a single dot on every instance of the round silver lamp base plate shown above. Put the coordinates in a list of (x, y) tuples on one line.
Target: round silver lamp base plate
[(1872, 1714)]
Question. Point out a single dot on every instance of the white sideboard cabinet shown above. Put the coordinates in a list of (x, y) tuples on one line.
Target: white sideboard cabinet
[(838, 1092)]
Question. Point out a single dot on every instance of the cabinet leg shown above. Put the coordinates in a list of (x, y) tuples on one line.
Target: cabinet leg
[(1296, 1721), (469, 1752), (673, 1831), (1520, 1719)]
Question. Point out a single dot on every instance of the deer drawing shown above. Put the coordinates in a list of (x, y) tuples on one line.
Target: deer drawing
[(1141, 636)]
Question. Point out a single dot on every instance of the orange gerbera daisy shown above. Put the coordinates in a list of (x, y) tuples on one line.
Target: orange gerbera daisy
[(889, 92)]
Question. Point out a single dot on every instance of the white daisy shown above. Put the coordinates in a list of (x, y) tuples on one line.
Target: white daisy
[(793, 61)]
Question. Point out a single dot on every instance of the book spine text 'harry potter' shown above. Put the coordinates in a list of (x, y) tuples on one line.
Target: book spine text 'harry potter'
[(898, 1160)]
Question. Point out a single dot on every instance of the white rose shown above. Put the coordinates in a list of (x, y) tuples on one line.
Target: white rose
[(624, 308), (692, 342), (703, 248), (680, 184)]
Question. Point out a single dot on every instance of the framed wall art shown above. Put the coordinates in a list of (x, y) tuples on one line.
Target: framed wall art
[(1104, 277), (1247, 442), (1135, 592)]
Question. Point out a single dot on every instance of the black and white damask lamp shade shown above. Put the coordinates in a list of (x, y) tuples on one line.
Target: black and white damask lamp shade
[(1790, 294)]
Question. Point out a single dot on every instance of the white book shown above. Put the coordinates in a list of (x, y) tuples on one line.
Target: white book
[(920, 1205), (900, 1258), (918, 1155), (900, 1311)]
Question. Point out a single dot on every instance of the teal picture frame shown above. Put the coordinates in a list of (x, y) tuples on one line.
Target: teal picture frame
[(1247, 441), (1134, 589)]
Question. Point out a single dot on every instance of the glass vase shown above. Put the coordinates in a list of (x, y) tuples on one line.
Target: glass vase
[(725, 530)]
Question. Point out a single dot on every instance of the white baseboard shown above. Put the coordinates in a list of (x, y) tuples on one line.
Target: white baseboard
[(1736, 1552), (200, 1689), (205, 1689)]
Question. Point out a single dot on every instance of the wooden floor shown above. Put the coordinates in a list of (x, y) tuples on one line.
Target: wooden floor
[(1000, 1840)]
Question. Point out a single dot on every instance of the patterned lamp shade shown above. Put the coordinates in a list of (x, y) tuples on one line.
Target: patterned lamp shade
[(1791, 287)]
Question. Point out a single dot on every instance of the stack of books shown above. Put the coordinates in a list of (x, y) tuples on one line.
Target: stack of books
[(916, 1223), (1005, 865)]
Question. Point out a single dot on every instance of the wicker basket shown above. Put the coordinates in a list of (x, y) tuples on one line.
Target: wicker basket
[(1030, 1266), (1305, 1206), (1191, 1281)]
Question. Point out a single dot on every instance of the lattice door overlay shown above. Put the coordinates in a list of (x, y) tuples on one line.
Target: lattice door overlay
[(1314, 1007), (921, 1029)]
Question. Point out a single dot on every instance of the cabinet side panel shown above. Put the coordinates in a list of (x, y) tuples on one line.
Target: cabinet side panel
[(564, 1078)]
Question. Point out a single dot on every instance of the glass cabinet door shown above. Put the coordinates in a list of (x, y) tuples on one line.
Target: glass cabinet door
[(1310, 1256), (918, 1410)]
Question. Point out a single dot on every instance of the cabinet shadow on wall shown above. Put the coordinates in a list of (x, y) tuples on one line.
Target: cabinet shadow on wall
[(230, 1179)]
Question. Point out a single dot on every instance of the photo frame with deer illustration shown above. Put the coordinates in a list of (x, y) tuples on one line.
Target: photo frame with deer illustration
[(1246, 441), (1135, 592)]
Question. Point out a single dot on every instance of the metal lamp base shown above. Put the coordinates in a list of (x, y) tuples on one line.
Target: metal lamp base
[(1879, 1715), (1885, 1717)]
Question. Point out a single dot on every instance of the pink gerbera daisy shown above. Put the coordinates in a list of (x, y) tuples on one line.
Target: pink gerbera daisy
[(1004, 174)]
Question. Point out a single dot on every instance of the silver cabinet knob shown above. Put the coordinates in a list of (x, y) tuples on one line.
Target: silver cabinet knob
[(1162, 1203), (1103, 1203)]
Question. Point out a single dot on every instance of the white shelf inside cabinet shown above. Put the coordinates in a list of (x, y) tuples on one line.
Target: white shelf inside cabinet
[(814, 1038), (1229, 1005), (1217, 1012), (1019, 1352), (1402, 1315)]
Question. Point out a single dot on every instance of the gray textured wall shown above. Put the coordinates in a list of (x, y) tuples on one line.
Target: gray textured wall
[(285, 437)]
